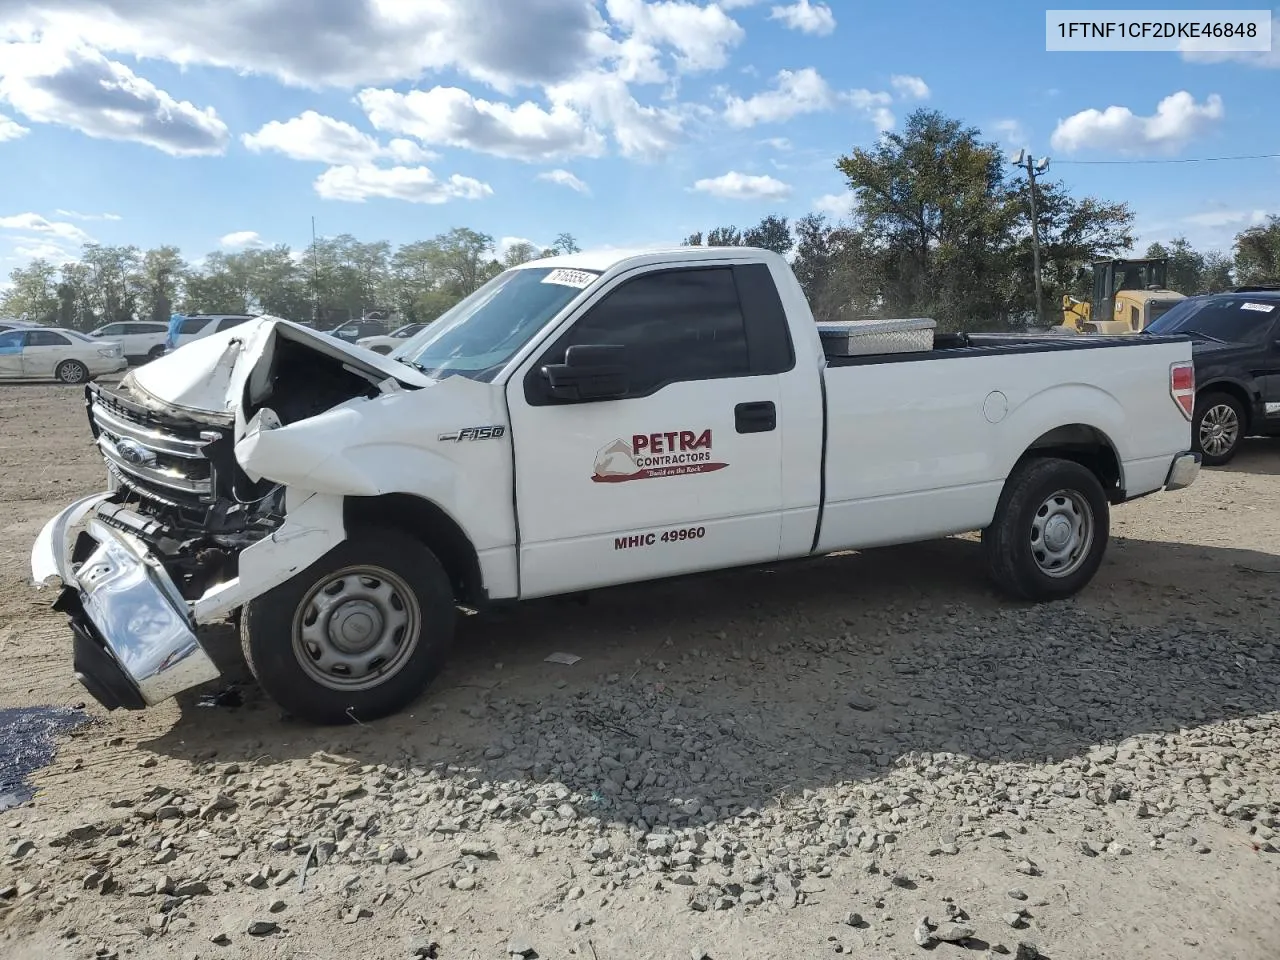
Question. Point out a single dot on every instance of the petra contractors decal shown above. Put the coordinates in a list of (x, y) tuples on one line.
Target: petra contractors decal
[(675, 453)]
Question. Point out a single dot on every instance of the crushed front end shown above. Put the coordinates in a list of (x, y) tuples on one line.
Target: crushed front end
[(133, 561)]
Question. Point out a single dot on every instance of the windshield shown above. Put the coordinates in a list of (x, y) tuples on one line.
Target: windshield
[(1230, 319), (478, 336)]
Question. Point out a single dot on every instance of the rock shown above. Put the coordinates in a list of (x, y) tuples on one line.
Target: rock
[(1086, 848), (426, 951), (26, 888), (9, 892), (520, 947), (220, 938), (1014, 919), (1028, 868), (953, 933), (1018, 894), (950, 848), (860, 702), (257, 880), (355, 914), (697, 953), (465, 883), (476, 848), (276, 906), (903, 881), (21, 848), (191, 888), (1026, 951), (923, 934), (261, 928), (852, 919)]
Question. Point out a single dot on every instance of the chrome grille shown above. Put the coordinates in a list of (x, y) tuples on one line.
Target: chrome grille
[(151, 459)]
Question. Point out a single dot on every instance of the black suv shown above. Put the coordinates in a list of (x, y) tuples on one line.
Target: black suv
[(1236, 347)]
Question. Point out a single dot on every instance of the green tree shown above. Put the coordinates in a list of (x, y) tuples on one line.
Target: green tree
[(1257, 254), (522, 252), (162, 275), (33, 294), (771, 233)]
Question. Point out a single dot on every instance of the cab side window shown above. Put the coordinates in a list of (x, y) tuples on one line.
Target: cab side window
[(193, 325), (12, 341), (229, 322), (46, 338), (677, 325)]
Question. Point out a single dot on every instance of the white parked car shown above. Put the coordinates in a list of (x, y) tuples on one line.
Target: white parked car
[(197, 326), (577, 422), (392, 340), (41, 353), (142, 339), (10, 324)]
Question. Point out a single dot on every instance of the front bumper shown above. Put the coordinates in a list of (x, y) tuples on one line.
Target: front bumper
[(1183, 471), (135, 642)]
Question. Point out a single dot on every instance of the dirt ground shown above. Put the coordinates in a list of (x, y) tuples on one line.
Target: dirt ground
[(794, 762)]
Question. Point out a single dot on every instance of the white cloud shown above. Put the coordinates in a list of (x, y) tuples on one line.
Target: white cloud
[(909, 87), (813, 18), (411, 184), (777, 143), (311, 136), (338, 44), (640, 131), (565, 179), (241, 240), (1267, 59), (801, 92), (836, 205), (77, 87), (75, 215), (700, 37), (10, 129), (742, 186), (452, 117), (35, 223), (43, 250), (1011, 133), (1178, 120), (1236, 219)]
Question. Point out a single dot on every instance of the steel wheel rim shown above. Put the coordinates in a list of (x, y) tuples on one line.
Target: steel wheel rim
[(356, 628), (1062, 533), (70, 372), (1219, 429)]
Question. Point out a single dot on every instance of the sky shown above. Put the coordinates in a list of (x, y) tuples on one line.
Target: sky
[(226, 124)]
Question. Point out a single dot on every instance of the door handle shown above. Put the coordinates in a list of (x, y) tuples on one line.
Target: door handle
[(758, 417)]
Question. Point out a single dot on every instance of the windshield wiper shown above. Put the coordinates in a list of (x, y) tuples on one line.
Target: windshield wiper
[(413, 363), (1201, 333)]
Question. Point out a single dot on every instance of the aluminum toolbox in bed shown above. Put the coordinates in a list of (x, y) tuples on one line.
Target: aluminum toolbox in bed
[(856, 338)]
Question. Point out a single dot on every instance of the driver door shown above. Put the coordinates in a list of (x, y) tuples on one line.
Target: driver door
[(681, 472)]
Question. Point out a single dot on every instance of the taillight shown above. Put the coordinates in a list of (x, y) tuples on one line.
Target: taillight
[(1182, 386)]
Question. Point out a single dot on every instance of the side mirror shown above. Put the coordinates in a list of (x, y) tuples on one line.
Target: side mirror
[(589, 372)]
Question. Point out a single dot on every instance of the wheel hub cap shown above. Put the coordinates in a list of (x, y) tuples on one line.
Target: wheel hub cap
[(355, 626), (1057, 532), (1062, 533)]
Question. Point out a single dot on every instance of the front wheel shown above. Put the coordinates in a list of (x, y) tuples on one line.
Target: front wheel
[(1049, 532), (72, 371), (1217, 428), (357, 635)]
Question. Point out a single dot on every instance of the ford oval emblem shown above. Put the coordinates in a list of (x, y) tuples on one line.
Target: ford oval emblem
[(133, 452)]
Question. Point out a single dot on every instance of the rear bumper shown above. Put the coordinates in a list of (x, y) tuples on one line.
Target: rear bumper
[(134, 640), (1183, 471)]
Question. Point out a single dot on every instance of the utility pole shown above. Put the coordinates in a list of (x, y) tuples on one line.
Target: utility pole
[(315, 279), (1034, 169)]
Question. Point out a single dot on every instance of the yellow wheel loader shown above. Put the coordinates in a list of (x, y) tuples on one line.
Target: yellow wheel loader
[(1127, 296)]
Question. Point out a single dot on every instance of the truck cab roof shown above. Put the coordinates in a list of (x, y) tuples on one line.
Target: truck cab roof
[(604, 260)]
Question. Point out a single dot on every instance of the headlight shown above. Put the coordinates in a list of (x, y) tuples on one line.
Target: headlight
[(108, 352)]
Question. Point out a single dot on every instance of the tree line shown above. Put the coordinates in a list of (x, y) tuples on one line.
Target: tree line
[(938, 225), (331, 281)]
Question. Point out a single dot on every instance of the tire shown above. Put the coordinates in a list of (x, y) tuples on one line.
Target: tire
[(155, 353), (379, 576), (71, 371), (1217, 428), (1040, 496)]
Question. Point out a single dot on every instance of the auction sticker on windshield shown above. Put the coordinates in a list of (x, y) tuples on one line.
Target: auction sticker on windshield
[(1260, 307), (570, 278)]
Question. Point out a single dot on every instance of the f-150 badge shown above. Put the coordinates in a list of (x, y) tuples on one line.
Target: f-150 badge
[(474, 433), (675, 453)]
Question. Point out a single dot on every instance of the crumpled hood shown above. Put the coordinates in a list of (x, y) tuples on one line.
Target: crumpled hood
[(205, 379)]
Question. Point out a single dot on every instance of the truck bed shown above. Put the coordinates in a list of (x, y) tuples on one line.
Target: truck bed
[(952, 346)]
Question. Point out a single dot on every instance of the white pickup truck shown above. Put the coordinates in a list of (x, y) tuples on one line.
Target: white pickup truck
[(582, 421)]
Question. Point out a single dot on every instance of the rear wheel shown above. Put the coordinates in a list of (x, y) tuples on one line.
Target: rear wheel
[(357, 635), (1050, 530), (72, 371), (155, 352), (1217, 429)]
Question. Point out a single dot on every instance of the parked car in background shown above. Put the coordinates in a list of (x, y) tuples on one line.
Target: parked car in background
[(199, 325), (43, 353), (354, 330), (391, 340), (142, 340), (1236, 347), (8, 324)]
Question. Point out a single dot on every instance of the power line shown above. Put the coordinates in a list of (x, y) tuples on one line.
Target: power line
[(1251, 156)]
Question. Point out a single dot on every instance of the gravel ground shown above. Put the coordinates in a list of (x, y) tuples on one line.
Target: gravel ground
[(868, 754)]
